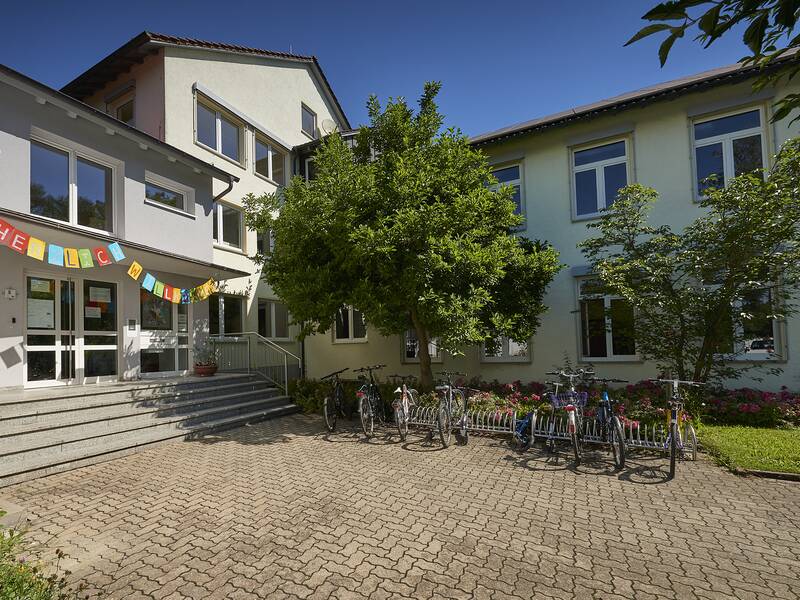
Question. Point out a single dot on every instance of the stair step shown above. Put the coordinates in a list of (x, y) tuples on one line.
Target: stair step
[(14, 426), (33, 465), (55, 440)]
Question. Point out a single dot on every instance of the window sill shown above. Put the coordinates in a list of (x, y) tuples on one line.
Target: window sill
[(505, 360), (415, 361), (589, 217), (168, 208), (220, 154), (231, 249), (268, 179), (350, 341), (609, 359), (77, 226), (308, 135)]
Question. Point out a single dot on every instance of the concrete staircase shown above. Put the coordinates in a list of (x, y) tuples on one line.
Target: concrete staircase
[(48, 431)]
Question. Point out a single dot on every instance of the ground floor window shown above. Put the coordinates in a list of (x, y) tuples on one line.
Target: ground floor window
[(504, 349), (759, 332), (165, 336), (606, 324), (226, 314), (411, 347), (350, 325), (273, 319)]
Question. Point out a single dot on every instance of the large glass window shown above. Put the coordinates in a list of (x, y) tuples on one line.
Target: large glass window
[(511, 175), (55, 172), (350, 325), (598, 175), (503, 349), (411, 347), (156, 313), (273, 319), (228, 225), (269, 161), (226, 314), (309, 121), (49, 182), (606, 324), (100, 328), (162, 195), (726, 147), (218, 131)]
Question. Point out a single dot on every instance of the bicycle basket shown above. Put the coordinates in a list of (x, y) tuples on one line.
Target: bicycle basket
[(574, 398)]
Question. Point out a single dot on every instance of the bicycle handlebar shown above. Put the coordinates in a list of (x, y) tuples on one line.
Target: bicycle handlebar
[(679, 382), (451, 373), (329, 375), (608, 380)]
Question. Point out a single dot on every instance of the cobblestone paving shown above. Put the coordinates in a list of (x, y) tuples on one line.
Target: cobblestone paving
[(278, 510)]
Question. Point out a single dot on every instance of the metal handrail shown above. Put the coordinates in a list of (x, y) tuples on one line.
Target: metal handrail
[(261, 338)]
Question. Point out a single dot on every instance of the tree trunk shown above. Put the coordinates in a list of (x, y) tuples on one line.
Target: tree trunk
[(425, 373)]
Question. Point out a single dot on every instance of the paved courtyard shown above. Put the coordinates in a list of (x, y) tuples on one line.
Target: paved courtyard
[(279, 510)]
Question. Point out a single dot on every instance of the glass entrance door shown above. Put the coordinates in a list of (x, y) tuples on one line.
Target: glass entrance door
[(70, 331)]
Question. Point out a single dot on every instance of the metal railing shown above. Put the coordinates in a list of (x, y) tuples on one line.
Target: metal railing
[(249, 352)]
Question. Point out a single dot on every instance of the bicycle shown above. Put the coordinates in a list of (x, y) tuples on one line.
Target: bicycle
[(453, 400), (611, 432), (333, 405), (370, 403), (573, 402), (675, 441), (404, 399)]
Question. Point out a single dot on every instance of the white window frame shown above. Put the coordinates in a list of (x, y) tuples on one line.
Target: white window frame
[(305, 164), (350, 339), (172, 186), (271, 335), (304, 106), (75, 151), (727, 143), (272, 150), (120, 101), (505, 357), (269, 237), (221, 296), (219, 114), (599, 168), (523, 209), (437, 354), (610, 356), (778, 343), (168, 339), (220, 243)]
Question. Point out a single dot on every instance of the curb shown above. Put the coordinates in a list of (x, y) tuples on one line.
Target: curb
[(771, 474)]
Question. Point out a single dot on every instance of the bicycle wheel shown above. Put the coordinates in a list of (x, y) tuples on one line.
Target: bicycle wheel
[(444, 422), (367, 418), (690, 442), (575, 437), (617, 439), (673, 448), (329, 412), (460, 418), (401, 418)]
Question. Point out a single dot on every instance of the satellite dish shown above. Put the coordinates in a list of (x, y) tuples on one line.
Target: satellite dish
[(328, 126)]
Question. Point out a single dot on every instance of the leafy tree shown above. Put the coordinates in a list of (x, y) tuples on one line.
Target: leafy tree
[(768, 35), (695, 292), (403, 227)]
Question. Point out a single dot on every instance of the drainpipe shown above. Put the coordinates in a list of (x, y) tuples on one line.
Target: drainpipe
[(231, 180)]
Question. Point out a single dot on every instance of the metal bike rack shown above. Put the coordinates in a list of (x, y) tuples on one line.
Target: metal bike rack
[(483, 421)]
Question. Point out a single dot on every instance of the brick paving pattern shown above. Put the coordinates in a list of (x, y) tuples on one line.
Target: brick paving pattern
[(279, 510)]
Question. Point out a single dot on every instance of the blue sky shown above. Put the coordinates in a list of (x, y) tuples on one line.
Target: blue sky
[(500, 62)]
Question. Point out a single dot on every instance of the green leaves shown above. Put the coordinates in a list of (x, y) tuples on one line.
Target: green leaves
[(648, 30)]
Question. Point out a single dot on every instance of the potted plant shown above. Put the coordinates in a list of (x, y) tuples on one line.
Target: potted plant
[(205, 359)]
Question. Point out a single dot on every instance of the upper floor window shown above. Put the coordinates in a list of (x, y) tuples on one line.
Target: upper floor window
[(598, 174), (273, 319), (265, 242), (165, 192), (68, 185), (411, 347), (308, 121), (228, 225), (606, 324), (218, 131), (504, 349), (726, 147), (270, 162), (511, 175), (350, 325)]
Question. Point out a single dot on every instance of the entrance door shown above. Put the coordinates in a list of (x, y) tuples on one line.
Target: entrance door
[(165, 336), (70, 331)]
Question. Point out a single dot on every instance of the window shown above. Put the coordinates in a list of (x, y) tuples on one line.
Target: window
[(72, 185), (225, 314), (156, 313), (219, 132), (350, 326), (411, 348), (310, 169), (757, 335), (273, 319), (165, 192), (503, 349), (598, 174), (265, 242), (512, 176), (124, 112), (726, 147), (308, 121), (270, 162), (228, 222), (606, 324)]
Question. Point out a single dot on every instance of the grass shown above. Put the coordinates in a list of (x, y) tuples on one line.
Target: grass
[(753, 448)]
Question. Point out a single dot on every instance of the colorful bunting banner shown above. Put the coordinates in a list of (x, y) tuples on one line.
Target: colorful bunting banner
[(101, 256)]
